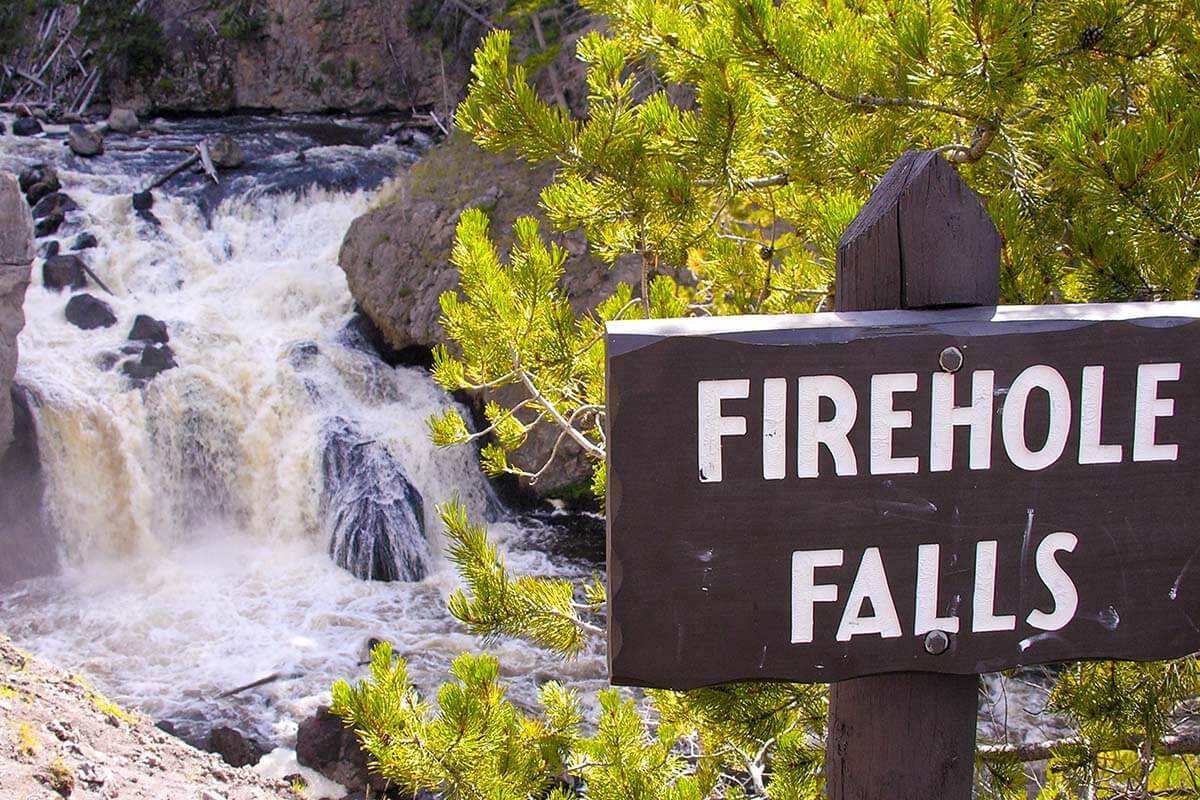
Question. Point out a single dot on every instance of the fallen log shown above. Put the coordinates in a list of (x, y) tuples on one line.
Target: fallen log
[(274, 676), (171, 173)]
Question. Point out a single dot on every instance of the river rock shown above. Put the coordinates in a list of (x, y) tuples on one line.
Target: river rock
[(236, 749), (397, 264), (16, 256), (84, 241), (143, 201), (40, 190), (88, 312), (323, 743), (39, 173), (48, 248), (148, 329), (85, 141), (123, 120), (154, 360), (48, 226), (64, 272), (55, 203), (26, 126), (225, 152)]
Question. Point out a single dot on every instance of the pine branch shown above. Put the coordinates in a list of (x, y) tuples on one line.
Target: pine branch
[(1182, 744), (1192, 240), (869, 100), (1189, 238), (588, 447)]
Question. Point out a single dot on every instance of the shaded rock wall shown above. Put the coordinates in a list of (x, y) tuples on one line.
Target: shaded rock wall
[(299, 56), (26, 542), (397, 262), (16, 255)]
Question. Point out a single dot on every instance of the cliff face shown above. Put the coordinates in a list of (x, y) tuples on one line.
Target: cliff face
[(16, 255), (299, 56)]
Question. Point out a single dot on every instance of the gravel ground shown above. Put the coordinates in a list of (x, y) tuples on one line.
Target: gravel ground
[(60, 738)]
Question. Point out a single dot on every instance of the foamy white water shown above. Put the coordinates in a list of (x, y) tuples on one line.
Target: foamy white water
[(194, 511)]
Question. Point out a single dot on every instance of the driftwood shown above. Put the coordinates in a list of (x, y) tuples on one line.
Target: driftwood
[(52, 72), (150, 147), (274, 676), (199, 155), (171, 173), (95, 277), (206, 160)]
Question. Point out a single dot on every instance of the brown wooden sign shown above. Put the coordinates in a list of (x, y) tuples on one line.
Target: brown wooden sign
[(821, 497)]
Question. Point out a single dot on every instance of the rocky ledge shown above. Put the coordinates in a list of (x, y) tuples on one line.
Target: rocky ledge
[(60, 738)]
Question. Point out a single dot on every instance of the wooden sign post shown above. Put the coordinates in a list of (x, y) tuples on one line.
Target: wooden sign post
[(895, 501), (923, 240)]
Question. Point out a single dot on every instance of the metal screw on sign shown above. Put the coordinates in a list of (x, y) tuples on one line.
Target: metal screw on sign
[(937, 642), (951, 359)]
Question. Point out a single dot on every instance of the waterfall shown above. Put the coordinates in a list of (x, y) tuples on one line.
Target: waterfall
[(273, 422), (229, 507)]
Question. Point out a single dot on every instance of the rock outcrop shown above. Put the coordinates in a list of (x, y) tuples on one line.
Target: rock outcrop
[(397, 263), (300, 56), (16, 255)]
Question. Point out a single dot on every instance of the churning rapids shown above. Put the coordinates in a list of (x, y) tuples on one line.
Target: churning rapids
[(199, 514)]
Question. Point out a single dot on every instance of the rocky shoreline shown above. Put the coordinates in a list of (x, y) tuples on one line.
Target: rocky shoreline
[(61, 738)]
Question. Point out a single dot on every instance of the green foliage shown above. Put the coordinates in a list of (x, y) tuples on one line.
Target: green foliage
[(240, 20), (1077, 121), (1123, 712), (474, 744), (117, 31), (726, 146), (13, 16), (542, 610)]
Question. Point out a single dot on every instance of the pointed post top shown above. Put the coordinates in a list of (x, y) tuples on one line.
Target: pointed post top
[(923, 240)]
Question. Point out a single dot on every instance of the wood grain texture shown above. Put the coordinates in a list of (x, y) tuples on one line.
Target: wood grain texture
[(901, 737), (923, 240), (911, 736)]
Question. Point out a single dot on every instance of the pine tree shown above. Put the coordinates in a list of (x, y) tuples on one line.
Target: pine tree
[(727, 145)]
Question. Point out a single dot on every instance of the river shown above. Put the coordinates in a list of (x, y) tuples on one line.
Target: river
[(197, 513)]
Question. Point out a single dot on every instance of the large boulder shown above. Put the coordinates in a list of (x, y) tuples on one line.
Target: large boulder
[(39, 173), (16, 256), (54, 204), (148, 329), (26, 126), (225, 152), (123, 120), (154, 359), (397, 263)]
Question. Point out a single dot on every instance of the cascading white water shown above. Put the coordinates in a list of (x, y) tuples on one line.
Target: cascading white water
[(199, 512)]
